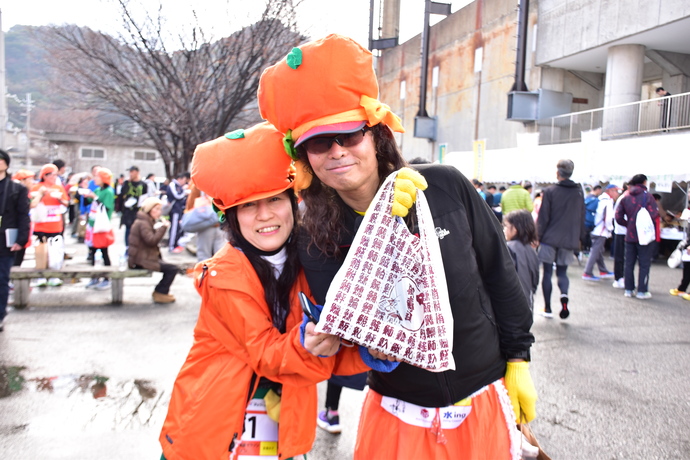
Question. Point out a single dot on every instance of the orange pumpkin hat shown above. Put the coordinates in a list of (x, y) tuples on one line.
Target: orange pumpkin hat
[(46, 169), (243, 166), (324, 86), (106, 175)]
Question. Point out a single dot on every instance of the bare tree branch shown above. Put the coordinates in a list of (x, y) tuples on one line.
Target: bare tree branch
[(178, 98)]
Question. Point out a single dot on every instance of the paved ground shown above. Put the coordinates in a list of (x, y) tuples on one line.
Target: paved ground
[(611, 379)]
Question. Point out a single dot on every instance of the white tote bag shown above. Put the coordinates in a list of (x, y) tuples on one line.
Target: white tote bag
[(646, 230), (101, 222), (390, 294), (56, 252)]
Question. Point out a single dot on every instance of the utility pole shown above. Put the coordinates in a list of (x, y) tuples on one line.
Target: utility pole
[(3, 90)]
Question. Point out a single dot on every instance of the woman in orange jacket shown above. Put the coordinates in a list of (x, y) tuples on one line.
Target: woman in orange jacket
[(248, 386)]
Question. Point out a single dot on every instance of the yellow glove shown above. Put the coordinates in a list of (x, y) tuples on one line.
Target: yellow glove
[(521, 390), (406, 184)]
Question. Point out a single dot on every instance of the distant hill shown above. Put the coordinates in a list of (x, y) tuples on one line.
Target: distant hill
[(26, 71)]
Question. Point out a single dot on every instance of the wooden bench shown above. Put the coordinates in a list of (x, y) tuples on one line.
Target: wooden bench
[(22, 276)]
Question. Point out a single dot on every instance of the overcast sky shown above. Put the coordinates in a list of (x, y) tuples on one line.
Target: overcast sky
[(316, 18)]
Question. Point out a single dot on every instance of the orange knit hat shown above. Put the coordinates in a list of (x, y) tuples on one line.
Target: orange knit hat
[(106, 175), (243, 166), (323, 83), (45, 169)]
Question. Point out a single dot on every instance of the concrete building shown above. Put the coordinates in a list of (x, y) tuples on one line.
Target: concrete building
[(595, 54)]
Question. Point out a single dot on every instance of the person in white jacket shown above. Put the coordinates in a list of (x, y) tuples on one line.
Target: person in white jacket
[(603, 220)]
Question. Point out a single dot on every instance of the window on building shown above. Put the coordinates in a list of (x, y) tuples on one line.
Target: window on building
[(141, 155), (90, 152)]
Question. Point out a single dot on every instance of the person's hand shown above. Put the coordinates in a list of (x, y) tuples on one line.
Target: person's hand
[(165, 222), (523, 395), (319, 344), (406, 184), (15, 247), (378, 361), (382, 356)]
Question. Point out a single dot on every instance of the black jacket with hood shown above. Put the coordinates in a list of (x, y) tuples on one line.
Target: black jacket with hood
[(15, 215), (491, 316), (562, 216)]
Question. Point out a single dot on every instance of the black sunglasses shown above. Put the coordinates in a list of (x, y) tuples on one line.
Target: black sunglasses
[(318, 145)]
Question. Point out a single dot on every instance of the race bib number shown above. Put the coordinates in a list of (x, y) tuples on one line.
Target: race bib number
[(412, 414), (260, 437)]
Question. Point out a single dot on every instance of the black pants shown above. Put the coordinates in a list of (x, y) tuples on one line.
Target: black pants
[(169, 272), (635, 252), (619, 256), (333, 395), (547, 286), (686, 277)]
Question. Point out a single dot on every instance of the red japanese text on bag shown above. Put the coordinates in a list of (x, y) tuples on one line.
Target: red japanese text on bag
[(390, 294)]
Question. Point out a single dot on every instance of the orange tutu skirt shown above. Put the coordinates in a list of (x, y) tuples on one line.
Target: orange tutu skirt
[(479, 427)]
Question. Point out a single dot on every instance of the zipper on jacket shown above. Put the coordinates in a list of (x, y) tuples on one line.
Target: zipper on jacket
[(232, 442), (203, 275), (252, 383), (446, 389)]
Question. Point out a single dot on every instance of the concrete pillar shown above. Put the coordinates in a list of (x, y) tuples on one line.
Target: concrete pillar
[(624, 71), (391, 19)]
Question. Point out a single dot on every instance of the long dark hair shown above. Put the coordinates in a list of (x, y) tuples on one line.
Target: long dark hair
[(523, 223), (323, 219), (276, 291)]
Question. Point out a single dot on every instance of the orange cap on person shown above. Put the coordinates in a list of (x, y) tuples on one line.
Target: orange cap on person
[(243, 166), (329, 81)]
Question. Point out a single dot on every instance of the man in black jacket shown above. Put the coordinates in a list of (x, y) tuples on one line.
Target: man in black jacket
[(129, 199), (14, 228), (561, 228)]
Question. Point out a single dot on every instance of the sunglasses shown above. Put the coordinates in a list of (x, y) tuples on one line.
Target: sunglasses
[(318, 145)]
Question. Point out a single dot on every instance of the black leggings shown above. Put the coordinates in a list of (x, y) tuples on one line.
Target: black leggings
[(333, 396), (546, 286), (686, 277)]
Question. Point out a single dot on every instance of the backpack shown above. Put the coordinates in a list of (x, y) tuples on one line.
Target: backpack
[(646, 231), (591, 203)]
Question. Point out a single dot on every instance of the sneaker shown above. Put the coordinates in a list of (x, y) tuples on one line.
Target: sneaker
[(619, 284), (587, 277), (686, 296), (103, 285), (330, 423), (676, 292), (628, 293), (41, 282), (564, 307), (92, 284), (159, 297), (606, 275), (177, 250), (644, 295), (546, 313), (55, 282)]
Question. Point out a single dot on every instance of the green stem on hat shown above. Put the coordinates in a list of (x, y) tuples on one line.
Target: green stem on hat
[(219, 213), (289, 145), (294, 58)]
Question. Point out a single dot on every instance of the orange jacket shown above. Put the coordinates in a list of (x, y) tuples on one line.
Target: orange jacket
[(52, 221), (233, 339)]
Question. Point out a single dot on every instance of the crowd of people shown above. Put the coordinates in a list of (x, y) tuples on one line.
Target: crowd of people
[(574, 221), (289, 195), (81, 206)]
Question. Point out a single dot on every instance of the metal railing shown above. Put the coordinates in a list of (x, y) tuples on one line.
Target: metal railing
[(645, 117)]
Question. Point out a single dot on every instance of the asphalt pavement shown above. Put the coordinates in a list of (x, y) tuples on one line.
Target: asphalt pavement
[(81, 379)]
